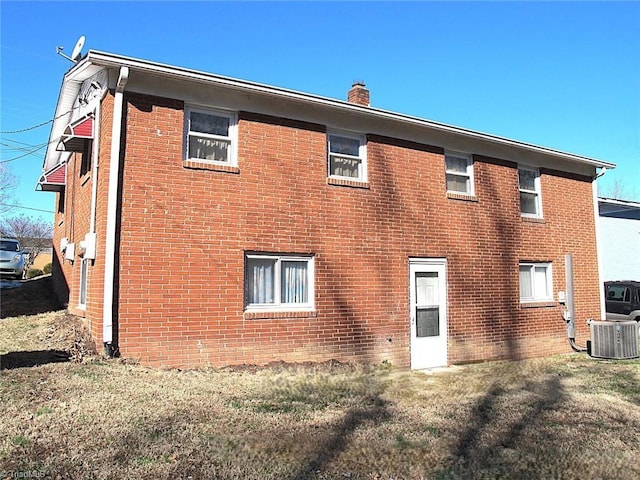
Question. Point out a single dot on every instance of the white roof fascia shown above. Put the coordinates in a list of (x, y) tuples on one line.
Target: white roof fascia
[(614, 201), (111, 60), (71, 83)]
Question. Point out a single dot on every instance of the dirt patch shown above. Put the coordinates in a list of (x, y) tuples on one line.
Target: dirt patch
[(27, 341)]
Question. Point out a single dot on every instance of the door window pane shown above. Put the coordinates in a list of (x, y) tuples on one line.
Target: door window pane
[(427, 322), (427, 288)]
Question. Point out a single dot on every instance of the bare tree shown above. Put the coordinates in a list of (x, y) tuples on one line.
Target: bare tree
[(34, 234), (8, 184), (619, 190)]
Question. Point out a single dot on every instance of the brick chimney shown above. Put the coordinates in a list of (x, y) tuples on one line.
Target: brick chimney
[(359, 94)]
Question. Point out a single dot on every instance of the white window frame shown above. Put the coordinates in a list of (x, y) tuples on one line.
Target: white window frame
[(536, 296), (468, 173), (362, 155), (537, 192), (278, 305), (84, 282), (231, 137)]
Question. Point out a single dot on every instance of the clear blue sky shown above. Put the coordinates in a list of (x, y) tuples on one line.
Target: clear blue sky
[(560, 75)]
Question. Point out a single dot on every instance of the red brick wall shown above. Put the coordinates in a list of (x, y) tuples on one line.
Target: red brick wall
[(185, 230)]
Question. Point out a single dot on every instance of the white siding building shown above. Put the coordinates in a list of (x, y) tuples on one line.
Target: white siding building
[(619, 239)]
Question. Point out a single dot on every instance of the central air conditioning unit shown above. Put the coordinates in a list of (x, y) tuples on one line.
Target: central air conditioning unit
[(614, 340)]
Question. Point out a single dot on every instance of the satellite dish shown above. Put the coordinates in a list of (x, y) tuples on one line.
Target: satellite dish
[(77, 50)]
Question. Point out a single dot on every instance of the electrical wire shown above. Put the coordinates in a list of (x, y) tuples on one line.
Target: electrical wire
[(33, 127), (26, 208), (31, 152)]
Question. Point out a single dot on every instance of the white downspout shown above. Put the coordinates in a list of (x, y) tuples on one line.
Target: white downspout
[(94, 170), (596, 210), (112, 207)]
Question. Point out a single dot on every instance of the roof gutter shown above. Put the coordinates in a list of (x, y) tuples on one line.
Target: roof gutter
[(112, 207), (111, 60)]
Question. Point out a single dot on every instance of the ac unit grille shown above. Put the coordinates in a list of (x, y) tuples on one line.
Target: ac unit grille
[(616, 340)]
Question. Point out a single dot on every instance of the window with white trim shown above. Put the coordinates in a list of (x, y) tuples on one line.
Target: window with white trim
[(210, 136), (529, 185), (347, 156), (536, 284), (459, 171), (84, 273), (279, 282)]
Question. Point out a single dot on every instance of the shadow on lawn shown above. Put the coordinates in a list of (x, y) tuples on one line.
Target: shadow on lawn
[(474, 453), (13, 360), (29, 297), (375, 411)]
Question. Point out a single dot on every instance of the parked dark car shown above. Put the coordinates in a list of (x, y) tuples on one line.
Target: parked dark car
[(622, 300), (11, 258)]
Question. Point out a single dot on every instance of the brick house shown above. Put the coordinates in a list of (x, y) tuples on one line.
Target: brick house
[(209, 220)]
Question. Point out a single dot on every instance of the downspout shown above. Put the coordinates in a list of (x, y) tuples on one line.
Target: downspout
[(94, 170), (112, 207), (570, 313)]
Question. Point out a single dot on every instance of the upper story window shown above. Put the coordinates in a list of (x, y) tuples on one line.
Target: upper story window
[(535, 282), (347, 157), (529, 185), (211, 136), (86, 161), (459, 171), (279, 282)]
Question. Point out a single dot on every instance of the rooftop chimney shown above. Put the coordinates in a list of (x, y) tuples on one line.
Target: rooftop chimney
[(359, 94)]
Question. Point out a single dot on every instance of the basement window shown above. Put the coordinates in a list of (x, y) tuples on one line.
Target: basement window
[(210, 136), (536, 284), (278, 282)]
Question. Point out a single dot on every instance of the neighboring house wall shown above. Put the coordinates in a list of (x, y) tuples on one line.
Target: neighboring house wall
[(619, 240), (44, 258)]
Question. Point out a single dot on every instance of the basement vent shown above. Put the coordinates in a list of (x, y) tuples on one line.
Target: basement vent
[(615, 340)]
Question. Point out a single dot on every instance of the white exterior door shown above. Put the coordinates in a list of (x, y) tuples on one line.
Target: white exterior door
[(428, 313)]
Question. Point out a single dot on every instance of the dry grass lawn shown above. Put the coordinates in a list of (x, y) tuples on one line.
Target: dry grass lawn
[(564, 417)]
